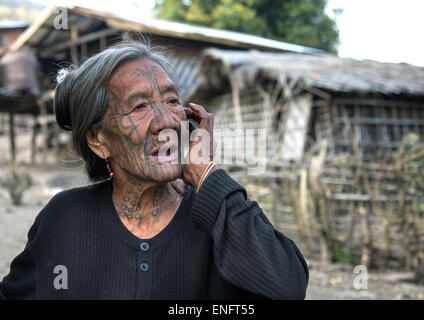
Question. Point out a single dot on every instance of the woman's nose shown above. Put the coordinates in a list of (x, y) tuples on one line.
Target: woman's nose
[(162, 119)]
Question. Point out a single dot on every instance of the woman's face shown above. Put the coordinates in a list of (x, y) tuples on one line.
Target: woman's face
[(142, 102)]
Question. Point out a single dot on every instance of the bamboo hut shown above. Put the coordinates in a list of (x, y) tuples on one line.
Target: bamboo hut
[(302, 99), (335, 128)]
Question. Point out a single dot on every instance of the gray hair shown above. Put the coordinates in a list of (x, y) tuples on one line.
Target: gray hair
[(81, 96)]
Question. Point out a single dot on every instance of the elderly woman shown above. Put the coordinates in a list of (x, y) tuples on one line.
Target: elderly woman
[(150, 228)]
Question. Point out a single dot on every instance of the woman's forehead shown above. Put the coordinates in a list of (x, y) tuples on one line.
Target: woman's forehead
[(142, 72)]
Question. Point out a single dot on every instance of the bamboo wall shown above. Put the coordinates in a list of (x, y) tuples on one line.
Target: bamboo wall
[(350, 197)]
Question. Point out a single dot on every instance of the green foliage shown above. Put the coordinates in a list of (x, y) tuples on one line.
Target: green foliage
[(411, 158), (410, 208), (342, 254), (16, 181), (302, 22)]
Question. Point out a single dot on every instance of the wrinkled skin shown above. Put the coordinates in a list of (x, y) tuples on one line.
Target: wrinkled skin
[(143, 101)]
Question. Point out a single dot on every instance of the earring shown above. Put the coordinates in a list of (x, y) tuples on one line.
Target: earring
[(111, 173)]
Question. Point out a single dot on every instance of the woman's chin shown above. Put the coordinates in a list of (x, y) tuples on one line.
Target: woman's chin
[(168, 172)]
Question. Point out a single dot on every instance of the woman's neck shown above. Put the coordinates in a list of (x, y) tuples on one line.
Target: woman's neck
[(143, 204)]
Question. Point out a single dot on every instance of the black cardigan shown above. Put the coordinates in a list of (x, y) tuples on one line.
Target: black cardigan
[(219, 245)]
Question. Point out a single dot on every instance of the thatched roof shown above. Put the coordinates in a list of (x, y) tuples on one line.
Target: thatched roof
[(325, 72)]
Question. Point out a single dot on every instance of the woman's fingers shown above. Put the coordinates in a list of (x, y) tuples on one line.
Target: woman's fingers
[(198, 110), (198, 113), (203, 118), (189, 112), (196, 106), (201, 145), (179, 185)]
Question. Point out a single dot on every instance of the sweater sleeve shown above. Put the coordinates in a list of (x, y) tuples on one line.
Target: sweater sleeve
[(20, 282), (248, 251)]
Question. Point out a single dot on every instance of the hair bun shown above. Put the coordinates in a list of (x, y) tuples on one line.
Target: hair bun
[(61, 74)]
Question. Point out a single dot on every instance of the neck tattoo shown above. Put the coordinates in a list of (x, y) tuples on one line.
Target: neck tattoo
[(129, 206)]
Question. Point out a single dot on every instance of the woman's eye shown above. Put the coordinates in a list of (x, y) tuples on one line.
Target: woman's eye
[(174, 101), (140, 106)]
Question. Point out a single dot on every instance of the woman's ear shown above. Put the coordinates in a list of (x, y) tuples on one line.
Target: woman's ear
[(96, 142)]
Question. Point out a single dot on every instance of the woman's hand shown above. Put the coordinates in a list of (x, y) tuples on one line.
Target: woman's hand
[(179, 185), (197, 161)]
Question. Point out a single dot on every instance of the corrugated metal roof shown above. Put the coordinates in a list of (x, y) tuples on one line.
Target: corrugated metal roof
[(35, 35)]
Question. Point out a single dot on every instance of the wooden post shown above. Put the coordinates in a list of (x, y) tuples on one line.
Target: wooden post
[(34, 139), (238, 118), (301, 214), (102, 43), (44, 129), (12, 136), (3, 122), (83, 52), (74, 49), (366, 236), (358, 133)]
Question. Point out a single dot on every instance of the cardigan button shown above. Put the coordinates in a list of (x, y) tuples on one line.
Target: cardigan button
[(144, 246), (144, 267)]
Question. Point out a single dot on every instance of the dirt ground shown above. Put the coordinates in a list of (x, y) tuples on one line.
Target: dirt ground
[(330, 282)]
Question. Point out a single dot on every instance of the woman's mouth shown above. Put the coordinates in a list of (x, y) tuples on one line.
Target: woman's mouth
[(165, 153)]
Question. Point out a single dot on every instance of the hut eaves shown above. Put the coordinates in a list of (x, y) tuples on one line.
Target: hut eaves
[(43, 28), (326, 72)]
